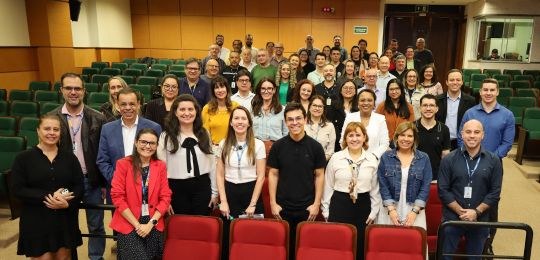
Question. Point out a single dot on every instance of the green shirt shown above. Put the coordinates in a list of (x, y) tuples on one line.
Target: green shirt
[(258, 73), (283, 90)]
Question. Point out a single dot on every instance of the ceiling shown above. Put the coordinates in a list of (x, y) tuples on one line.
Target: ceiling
[(431, 2)]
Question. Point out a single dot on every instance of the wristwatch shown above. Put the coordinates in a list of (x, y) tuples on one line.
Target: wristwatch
[(415, 211), (153, 221)]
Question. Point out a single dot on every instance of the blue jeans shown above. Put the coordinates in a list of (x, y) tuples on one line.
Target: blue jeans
[(475, 237), (94, 221)]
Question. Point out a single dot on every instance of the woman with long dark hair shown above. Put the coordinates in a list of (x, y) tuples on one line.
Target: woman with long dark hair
[(346, 102), (413, 90), (267, 111), (305, 64), (395, 108), (428, 80), (138, 218), (185, 147), (215, 114), (303, 92), (157, 109), (350, 73), (318, 127), (360, 65)]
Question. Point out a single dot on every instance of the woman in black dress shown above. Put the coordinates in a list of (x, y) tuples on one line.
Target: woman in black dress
[(157, 109), (49, 182)]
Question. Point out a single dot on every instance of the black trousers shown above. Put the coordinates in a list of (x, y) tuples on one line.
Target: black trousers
[(191, 196), (343, 210), (294, 217)]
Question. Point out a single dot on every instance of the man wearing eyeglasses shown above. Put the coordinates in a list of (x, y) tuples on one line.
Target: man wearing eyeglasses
[(231, 71), (371, 83), (118, 137), (213, 54), (434, 136), (80, 128), (192, 83)]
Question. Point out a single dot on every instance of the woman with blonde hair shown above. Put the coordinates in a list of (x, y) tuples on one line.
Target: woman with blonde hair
[(110, 109), (286, 81), (351, 188)]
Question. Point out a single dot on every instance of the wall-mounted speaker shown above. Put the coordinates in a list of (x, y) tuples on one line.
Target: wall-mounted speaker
[(74, 9)]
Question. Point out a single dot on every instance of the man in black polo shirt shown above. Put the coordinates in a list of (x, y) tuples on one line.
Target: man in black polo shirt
[(296, 175), (434, 136)]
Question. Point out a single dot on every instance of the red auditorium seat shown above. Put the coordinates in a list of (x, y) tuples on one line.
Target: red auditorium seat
[(321, 240), (193, 238), (260, 239), (395, 242), (433, 218)]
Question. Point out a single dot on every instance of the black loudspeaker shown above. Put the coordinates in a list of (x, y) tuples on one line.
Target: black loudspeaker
[(74, 9)]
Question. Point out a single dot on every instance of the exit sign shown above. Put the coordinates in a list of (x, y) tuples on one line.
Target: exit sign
[(361, 29)]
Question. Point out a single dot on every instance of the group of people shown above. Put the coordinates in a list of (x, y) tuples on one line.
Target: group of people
[(362, 151)]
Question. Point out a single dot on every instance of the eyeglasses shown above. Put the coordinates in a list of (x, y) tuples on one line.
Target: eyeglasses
[(429, 105), (317, 106), (294, 119), (147, 143), (76, 89), (267, 90), (371, 76), (191, 68), (243, 80), (170, 87)]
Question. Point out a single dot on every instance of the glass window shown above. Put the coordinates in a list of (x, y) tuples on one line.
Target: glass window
[(504, 38)]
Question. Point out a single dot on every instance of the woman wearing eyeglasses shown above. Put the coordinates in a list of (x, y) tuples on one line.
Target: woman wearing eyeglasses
[(140, 192), (158, 108), (318, 127), (267, 111)]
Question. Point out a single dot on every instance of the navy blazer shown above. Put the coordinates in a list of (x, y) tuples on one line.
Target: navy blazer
[(466, 102), (111, 144)]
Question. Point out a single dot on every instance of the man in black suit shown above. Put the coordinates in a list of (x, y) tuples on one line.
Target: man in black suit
[(453, 104)]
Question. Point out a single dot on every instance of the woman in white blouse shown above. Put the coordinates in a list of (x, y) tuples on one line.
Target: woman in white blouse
[(374, 123), (351, 189), (185, 147), (318, 127)]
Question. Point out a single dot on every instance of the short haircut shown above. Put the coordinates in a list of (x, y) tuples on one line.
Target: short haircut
[(351, 127), (362, 40), (401, 57), (428, 96), (70, 75), (291, 106), (193, 60), (335, 49), (491, 80), (243, 72), (454, 70), (401, 128), (320, 54), (127, 91)]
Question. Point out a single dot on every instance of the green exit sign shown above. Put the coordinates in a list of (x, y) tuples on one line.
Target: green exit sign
[(360, 29)]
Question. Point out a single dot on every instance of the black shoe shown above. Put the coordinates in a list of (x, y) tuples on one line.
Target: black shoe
[(488, 251)]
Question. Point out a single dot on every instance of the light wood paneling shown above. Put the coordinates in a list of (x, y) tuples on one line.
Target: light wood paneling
[(258, 8), (37, 18), (63, 61), (371, 37), (229, 7), (197, 32), (17, 80), (165, 32), (323, 31), (293, 31), (18, 59), (164, 7), (126, 53), (296, 8), (194, 54), (59, 24), (141, 31), (83, 57), (139, 6), (45, 63), (231, 28), (196, 7), (362, 9), (338, 5), (263, 30), (110, 55), (161, 53), (142, 53)]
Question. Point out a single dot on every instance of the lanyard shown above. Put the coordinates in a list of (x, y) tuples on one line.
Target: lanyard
[(145, 181), (73, 131), (239, 152), (469, 172)]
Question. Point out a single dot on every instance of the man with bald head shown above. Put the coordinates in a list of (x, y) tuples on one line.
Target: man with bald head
[(212, 69), (470, 180), (423, 55), (312, 51), (213, 53), (263, 69), (278, 54)]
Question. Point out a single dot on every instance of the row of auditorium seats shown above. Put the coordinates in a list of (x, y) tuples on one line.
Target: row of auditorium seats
[(198, 237)]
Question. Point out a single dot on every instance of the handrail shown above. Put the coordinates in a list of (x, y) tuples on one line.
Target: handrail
[(97, 207), (504, 225)]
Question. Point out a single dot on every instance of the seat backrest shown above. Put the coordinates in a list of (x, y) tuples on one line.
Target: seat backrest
[(259, 239), (92, 87), (24, 108), (45, 95), (3, 108), (119, 65), (158, 66), (10, 146), (140, 66), (100, 65), (90, 71), (45, 108), (395, 242), (531, 119), (100, 78), (521, 102), (154, 72), (146, 80), (111, 71), (534, 73), (177, 67), (529, 78), (27, 129), (491, 72), (512, 72), (526, 92), (3, 94), (22, 95), (325, 240), (8, 126), (132, 72), (165, 61), (179, 74), (520, 84), (39, 85), (478, 77), (130, 61), (97, 98), (128, 79), (193, 237)]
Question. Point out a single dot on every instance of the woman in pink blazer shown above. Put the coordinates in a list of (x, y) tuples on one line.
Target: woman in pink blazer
[(140, 192)]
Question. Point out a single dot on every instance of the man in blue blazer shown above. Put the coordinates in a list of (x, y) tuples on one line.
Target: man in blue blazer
[(117, 137)]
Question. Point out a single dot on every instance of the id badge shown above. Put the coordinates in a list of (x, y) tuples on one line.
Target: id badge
[(233, 84), (328, 101), (467, 193), (144, 210)]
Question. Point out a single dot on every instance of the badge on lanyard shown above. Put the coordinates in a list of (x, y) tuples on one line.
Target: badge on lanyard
[(328, 101), (233, 84), (467, 193), (144, 210)]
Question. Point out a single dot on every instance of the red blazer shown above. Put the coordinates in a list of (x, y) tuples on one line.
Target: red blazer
[(127, 193)]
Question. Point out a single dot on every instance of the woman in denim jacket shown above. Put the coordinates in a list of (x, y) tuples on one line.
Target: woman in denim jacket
[(404, 170)]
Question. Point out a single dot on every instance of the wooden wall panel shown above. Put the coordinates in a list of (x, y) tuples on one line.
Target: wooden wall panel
[(338, 6), (162, 53), (293, 31), (266, 8), (196, 32), (297, 8), (39, 34), (59, 24), (372, 37), (110, 55), (45, 61), (63, 61), (164, 7), (165, 32), (323, 31), (17, 80), (231, 28), (126, 53), (140, 27), (18, 59), (229, 7), (139, 6), (362, 9), (196, 7), (141, 53), (263, 30), (194, 54), (83, 57)]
